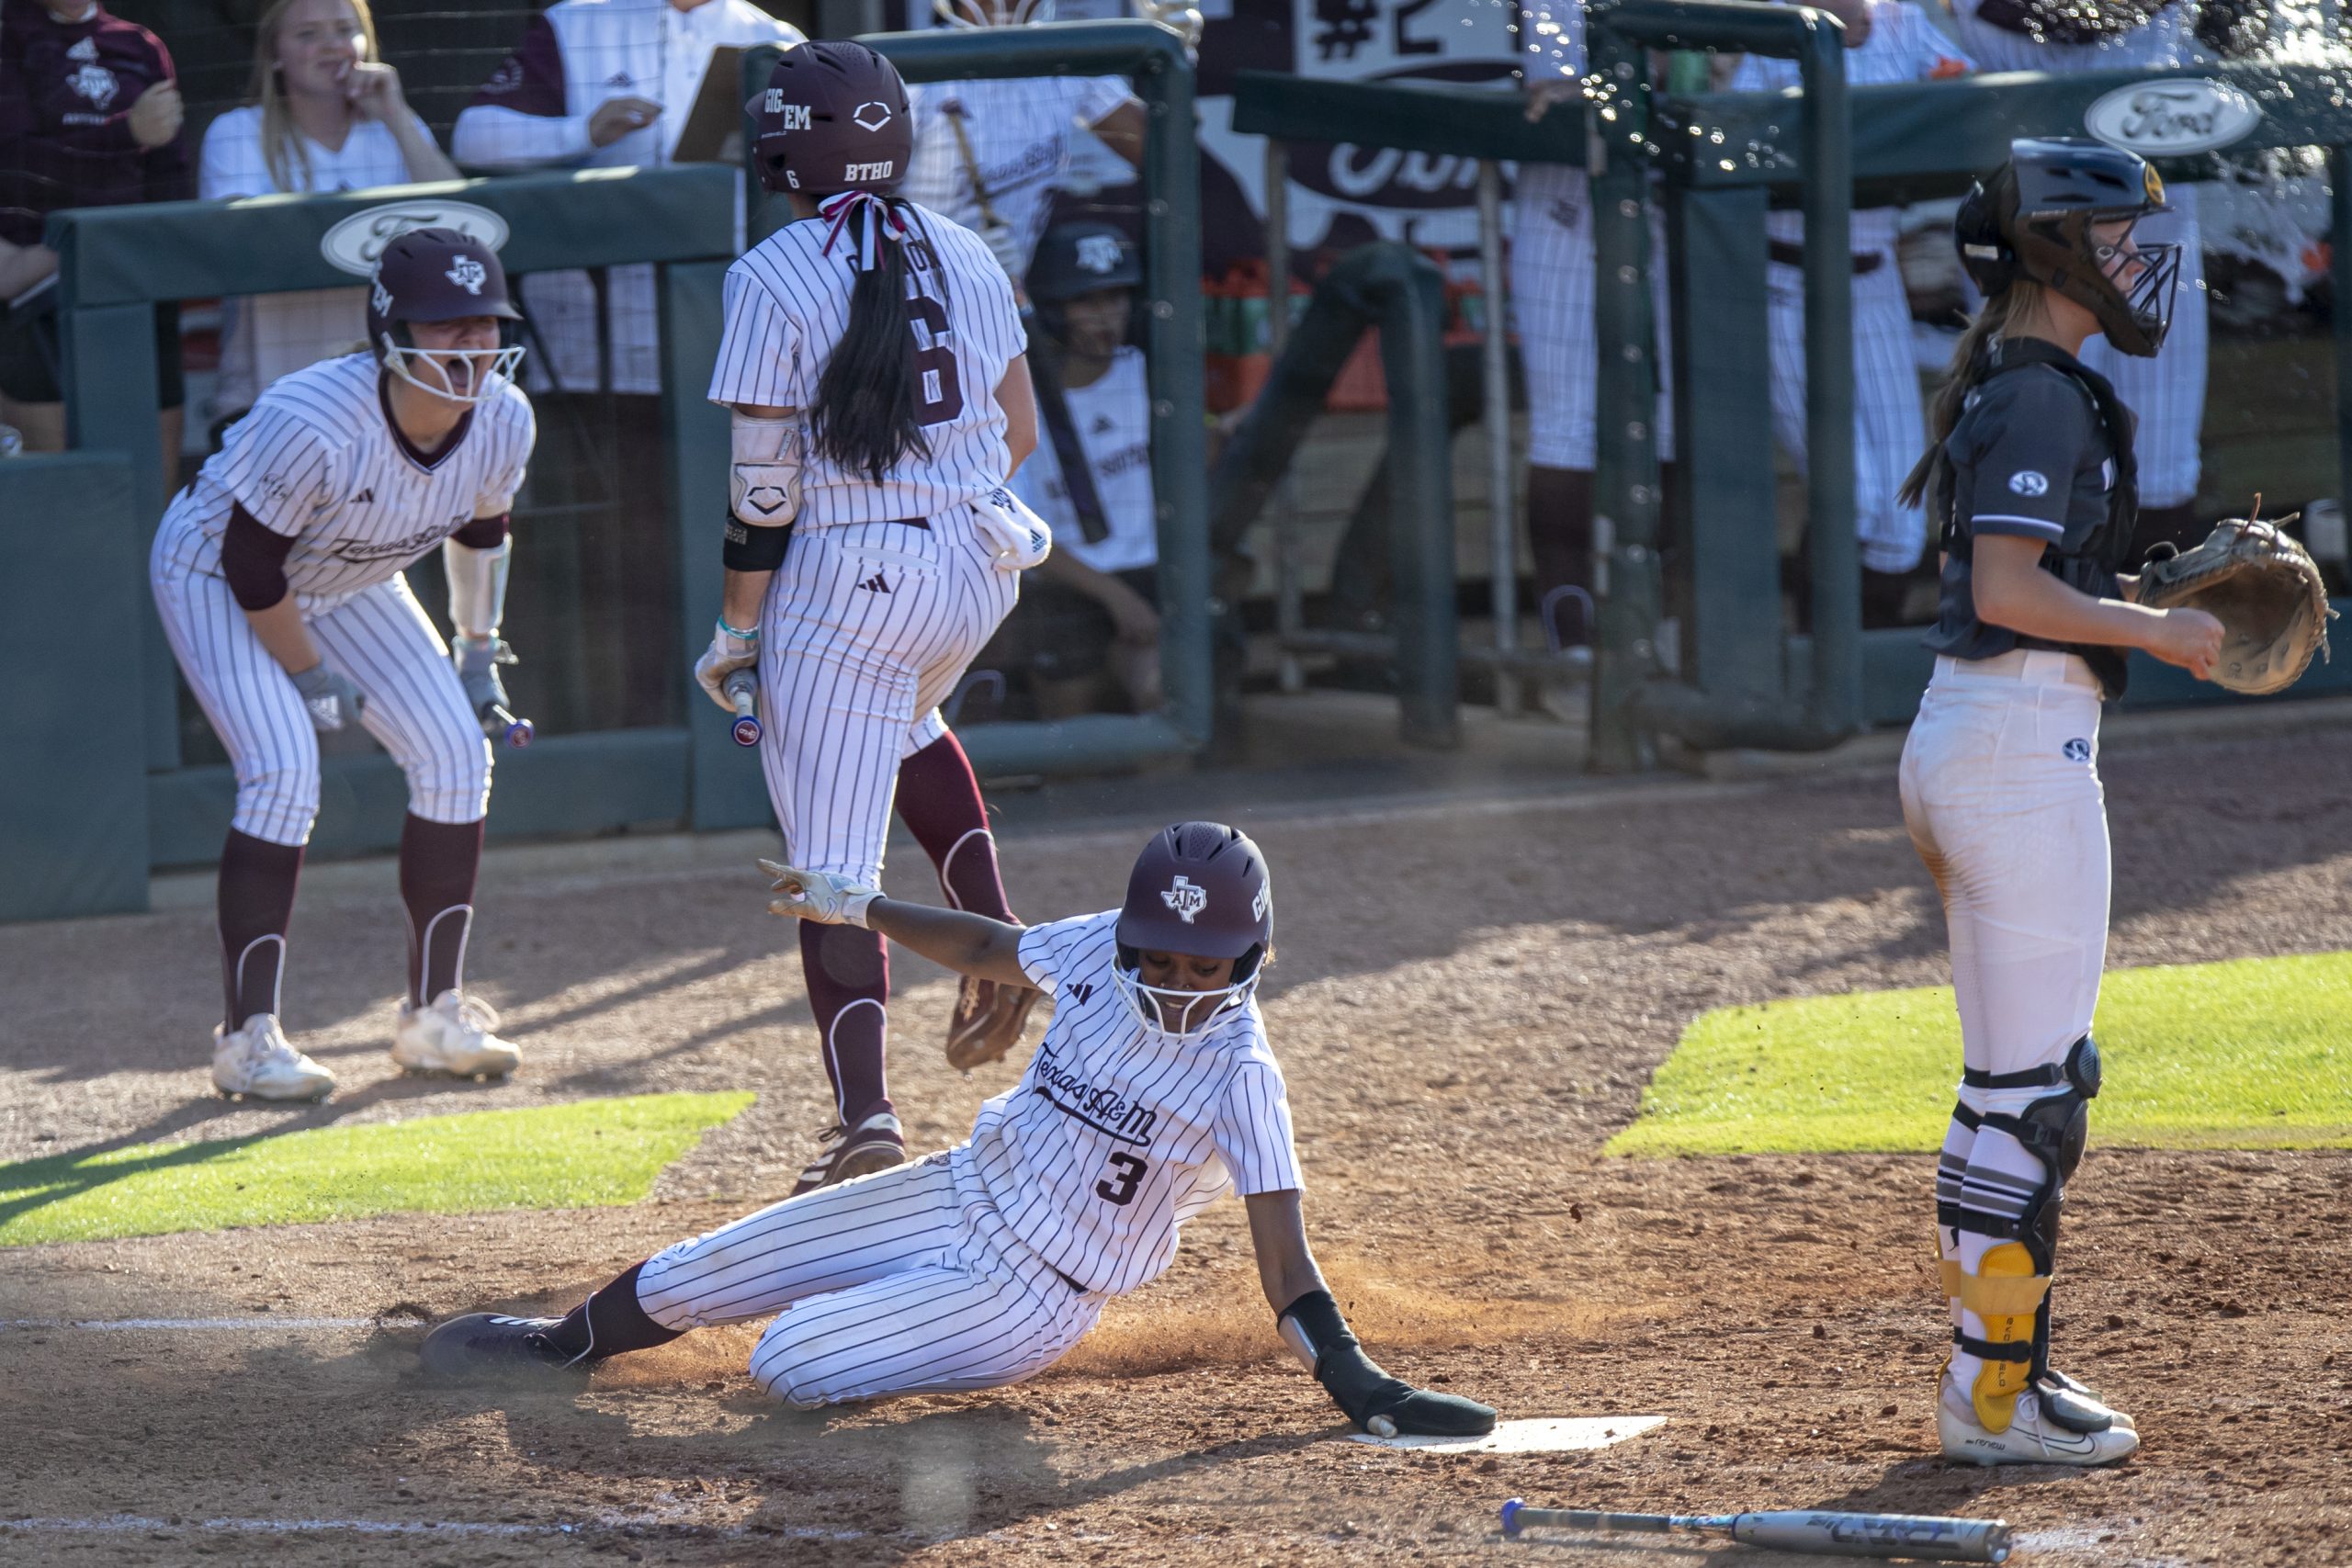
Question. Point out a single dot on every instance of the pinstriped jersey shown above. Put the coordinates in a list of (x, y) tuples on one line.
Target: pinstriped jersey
[(318, 461), (787, 306), (1111, 417), (1115, 1136), (1020, 133)]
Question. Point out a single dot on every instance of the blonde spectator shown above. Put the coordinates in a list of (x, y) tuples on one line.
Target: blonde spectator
[(326, 114)]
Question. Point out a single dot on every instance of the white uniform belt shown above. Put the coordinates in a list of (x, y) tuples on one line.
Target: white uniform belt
[(2019, 666)]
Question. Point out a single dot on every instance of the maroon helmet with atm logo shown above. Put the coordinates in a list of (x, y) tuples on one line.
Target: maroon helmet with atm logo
[(833, 118), (439, 275), (1200, 889)]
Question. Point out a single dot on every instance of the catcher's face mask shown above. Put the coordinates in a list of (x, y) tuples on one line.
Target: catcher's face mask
[(2097, 259)]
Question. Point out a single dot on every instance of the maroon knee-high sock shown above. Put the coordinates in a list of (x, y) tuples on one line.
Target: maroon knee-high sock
[(848, 970), (438, 862), (939, 800), (256, 902), (611, 1321)]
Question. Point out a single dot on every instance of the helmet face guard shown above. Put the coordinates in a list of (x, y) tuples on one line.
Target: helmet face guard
[(440, 275), (2129, 286), (1200, 889)]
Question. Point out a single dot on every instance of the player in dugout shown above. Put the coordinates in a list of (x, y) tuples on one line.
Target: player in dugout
[(1153, 1093)]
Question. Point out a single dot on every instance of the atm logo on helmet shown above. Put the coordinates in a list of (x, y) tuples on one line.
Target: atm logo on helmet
[(2172, 118), (1187, 897), (354, 244)]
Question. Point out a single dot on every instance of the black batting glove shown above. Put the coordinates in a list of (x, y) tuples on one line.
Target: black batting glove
[(1378, 1403)]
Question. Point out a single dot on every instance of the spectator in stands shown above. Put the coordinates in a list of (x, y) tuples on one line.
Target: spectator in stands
[(89, 117), (1087, 630), (990, 154), (325, 114), (602, 84), (607, 84)]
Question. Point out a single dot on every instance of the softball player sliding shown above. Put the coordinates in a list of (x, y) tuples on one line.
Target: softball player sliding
[(2033, 479), (874, 360), (1152, 1094), (278, 577), (2167, 393), (1885, 41)]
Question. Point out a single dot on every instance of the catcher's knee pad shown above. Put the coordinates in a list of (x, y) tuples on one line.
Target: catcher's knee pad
[(2009, 1288)]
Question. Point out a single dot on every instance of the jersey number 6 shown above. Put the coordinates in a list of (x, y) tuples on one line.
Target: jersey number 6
[(940, 393), (1121, 1188)]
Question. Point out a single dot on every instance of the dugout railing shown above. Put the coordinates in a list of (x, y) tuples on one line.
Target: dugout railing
[(1153, 58)]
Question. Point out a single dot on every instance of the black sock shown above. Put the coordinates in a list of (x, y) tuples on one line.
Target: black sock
[(611, 1322), (438, 860), (257, 901)]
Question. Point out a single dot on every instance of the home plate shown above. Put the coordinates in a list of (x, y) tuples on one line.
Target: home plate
[(1554, 1435)]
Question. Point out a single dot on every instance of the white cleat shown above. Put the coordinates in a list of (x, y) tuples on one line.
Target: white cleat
[(2032, 1437), (453, 1035), (256, 1061)]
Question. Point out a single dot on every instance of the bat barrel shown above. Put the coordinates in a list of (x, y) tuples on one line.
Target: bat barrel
[(1920, 1537)]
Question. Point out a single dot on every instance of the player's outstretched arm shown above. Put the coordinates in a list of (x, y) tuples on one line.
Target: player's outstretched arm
[(1310, 1324), (969, 944)]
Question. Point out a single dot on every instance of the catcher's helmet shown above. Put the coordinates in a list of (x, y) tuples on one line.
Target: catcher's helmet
[(833, 118), (439, 275), (1200, 889), (2036, 217), (1079, 258)]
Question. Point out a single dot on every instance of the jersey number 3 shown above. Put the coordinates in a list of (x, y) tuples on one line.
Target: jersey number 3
[(939, 395), (1121, 1187)]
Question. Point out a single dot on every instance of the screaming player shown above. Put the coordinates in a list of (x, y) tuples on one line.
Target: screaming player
[(277, 575), (874, 362), (1152, 1094)]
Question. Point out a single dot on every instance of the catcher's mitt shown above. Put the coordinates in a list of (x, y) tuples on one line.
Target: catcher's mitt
[(2265, 589)]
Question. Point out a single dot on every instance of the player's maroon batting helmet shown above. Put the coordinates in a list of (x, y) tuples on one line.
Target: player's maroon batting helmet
[(833, 117), (439, 275), (1200, 889)]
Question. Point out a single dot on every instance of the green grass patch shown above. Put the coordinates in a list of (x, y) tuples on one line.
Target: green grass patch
[(588, 1153), (2255, 1054)]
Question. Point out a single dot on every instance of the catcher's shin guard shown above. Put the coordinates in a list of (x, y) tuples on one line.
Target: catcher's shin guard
[(2008, 1291)]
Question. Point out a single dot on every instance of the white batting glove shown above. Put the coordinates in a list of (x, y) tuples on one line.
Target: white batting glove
[(817, 895), (727, 654)]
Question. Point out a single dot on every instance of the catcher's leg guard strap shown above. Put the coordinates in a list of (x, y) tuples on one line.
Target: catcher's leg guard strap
[(2008, 1292)]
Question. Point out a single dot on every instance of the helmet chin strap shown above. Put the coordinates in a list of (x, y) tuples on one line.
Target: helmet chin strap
[(490, 367)]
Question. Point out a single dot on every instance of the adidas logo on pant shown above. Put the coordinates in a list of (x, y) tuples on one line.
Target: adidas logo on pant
[(878, 583)]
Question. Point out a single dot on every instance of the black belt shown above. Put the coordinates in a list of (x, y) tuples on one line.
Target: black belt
[(1789, 255)]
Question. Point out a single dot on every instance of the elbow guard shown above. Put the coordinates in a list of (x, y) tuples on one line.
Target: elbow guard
[(477, 586), (763, 487)]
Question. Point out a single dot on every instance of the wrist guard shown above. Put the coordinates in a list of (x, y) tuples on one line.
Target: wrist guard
[(1319, 1336)]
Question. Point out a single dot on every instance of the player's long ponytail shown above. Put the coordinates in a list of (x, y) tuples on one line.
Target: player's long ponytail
[(868, 412), (2021, 299)]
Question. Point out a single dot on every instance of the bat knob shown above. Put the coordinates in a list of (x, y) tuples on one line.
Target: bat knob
[(521, 733), (517, 732), (747, 731), (1510, 1516), (1381, 1426)]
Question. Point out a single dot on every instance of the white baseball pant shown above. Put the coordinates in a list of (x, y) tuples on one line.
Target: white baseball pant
[(2002, 797), (1889, 430), (382, 642), (1552, 300), (905, 1281), (868, 628)]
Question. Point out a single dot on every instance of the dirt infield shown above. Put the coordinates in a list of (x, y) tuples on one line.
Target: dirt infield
[(1467, 1003)]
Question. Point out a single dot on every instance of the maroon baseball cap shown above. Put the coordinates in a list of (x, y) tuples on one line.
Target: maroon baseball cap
[(833, 118)]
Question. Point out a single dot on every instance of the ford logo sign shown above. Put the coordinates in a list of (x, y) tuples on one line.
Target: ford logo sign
[(2173, 118), (354, 244)]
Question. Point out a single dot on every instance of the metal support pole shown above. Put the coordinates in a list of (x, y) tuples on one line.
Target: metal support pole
[(2339, 230), (1289, 595), (1502, 513), (1626, 481)]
